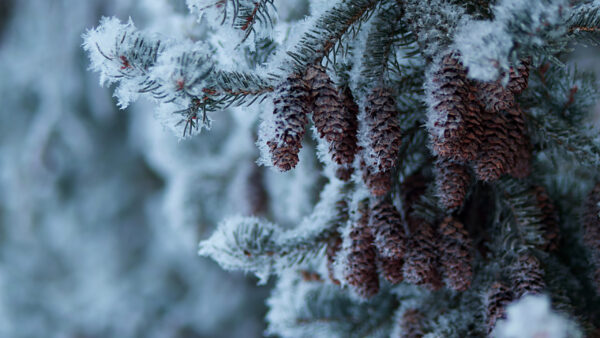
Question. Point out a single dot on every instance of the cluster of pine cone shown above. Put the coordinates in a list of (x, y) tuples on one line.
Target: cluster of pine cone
[(334, 114), (411, 250), (477, 130), (475, 127)]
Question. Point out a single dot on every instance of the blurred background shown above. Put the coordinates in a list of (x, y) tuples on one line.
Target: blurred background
[(101, 210)]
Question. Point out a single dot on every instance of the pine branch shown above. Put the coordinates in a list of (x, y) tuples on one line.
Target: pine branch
[(299, 309), (343, 20), (520, 218), (387, 34), (243, 15), (584, 23), (254, 245), (562, 140), (566, 91)]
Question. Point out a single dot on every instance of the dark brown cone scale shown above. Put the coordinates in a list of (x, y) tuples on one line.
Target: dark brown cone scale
[(519, 77), (455, 126), (391, 269), (498, 297), (362, 258), (452, 182), (291, 107), (591, 232), (494, 96), (420, 262), (549, 219), (412, 324), (333, 115), (388, 230), (455, 254), (495, 158), (527, 276), (383, 130), (379, 183), (518, 142)]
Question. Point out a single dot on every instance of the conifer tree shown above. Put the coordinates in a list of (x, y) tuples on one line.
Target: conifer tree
[(457, 155)]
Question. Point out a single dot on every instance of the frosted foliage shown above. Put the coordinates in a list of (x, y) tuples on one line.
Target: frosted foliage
[(109, 58), (532, 317), (486, 46), (484, 49), (101, 210)]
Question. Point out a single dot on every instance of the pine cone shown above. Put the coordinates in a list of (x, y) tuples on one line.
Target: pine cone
[(388, 230), (379, 183), (591, 229), (291, 116), (452, 182), (332, 114), (549, 219), (391, 269), (519, 77), (420, 261), (362, 259), (455, 254), (454, 119), (494, 96), (527, 276), (498, 297), (412, 324), (383, 130), (333, 247), (496, 158)]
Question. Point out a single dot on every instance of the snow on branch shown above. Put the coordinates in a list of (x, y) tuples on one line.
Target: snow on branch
[(325, 310), (254, 245), (519, 28), (343, 20), (181, 75), (245, 16), (584, 23)]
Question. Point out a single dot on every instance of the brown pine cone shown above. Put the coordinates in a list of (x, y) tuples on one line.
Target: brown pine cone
[(527, 276), (452, 182), (549, 219), (388, 230), (383, 130), (454, 119), (498, 297), (391, 269), (591, 230), (496, 158), (362, 259), (412, 324), (519, 77), (455, 254), (333, 115), (494, 96), (291, 107), (420, 262), (518, 142), (379, 183)]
